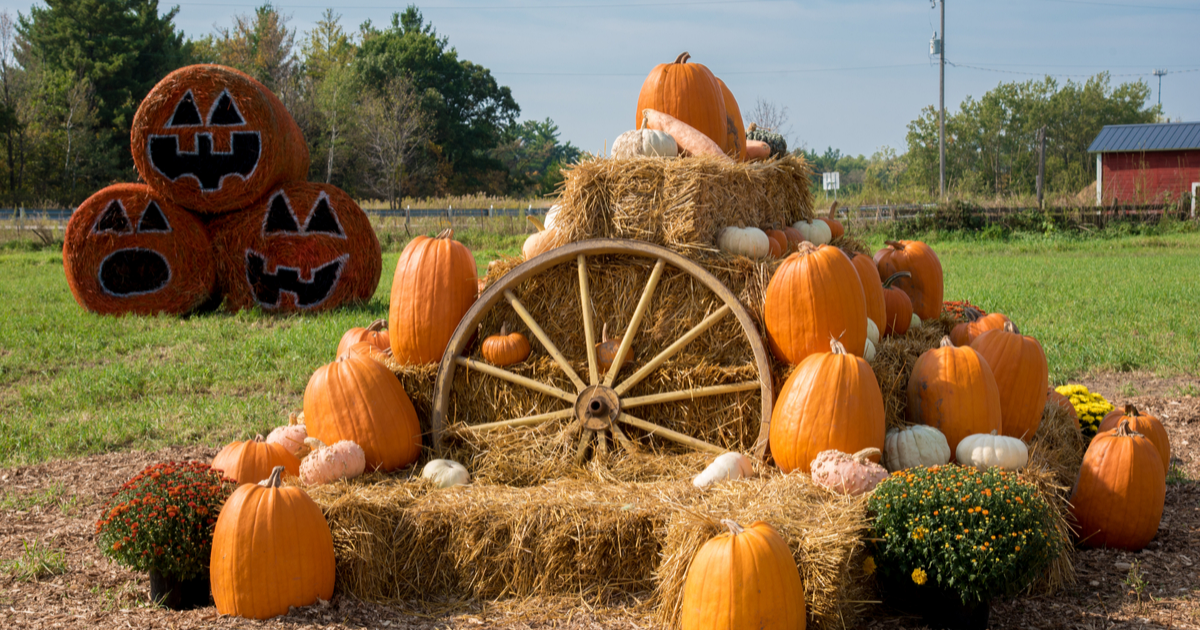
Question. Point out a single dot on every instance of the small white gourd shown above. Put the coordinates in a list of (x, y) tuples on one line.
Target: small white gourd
[(816, 232), (724, 467), (868, 351), (445, 473), (984, 450), (914, 323), (918, 445), (644, 142), (750, 242), (872, 332)]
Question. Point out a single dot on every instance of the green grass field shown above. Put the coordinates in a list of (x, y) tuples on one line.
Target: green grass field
[(73, 383)]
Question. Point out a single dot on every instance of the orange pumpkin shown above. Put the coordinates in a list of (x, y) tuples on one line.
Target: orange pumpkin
[(897, 306), (301, 248), (778, 242), (212, 139), (836, 229), (690, 93), (1143, 423), (925, 286), (1118, 499), (606, 350), (734, 126), (794, 237), (130, 250), (831, 401), (356, 398), (1021, 371), (815, 295), (744, 578), (375, 334), (506, 348), (271, 550), (252, 461), (952, 389), (868, 275), (963, 334), (434, 285)]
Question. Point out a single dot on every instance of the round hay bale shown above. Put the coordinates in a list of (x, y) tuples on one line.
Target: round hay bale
[(129, 250), (212, 139), (301, 247)]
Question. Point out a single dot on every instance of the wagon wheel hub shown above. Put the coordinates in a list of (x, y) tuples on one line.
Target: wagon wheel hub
[(597, 408)]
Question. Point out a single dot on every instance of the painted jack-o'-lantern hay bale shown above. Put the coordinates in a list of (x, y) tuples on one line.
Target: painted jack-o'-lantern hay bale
[(302, 247), (213, 139), (129, 250)]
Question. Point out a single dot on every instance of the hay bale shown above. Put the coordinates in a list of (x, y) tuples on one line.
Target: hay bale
[(396, 539), (680, 203), (129, 250)]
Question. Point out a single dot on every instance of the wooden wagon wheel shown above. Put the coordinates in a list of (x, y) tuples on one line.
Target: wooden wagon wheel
[(601, 403)]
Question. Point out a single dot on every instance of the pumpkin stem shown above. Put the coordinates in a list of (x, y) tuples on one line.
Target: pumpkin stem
[(887, 284), (836, 346), (734, 528), (1131, 411), (894, 244), (447, 234), (683, 57), (604, 333), (862, 456), (1008, 327), (946, 343), (752, 127), (1124, 429), (257, 438), (504, 329), (274, 481), (292, 419), (832, 210), (377, 325)]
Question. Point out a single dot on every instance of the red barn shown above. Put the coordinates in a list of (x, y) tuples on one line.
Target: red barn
[(1146, 163)]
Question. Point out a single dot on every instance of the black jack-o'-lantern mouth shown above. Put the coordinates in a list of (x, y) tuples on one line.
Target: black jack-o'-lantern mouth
[(269, 285), (133, 270), (208, 167)]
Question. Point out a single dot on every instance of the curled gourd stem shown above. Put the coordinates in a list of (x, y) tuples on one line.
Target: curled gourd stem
[(537, 223), (683, 57), (863, 455), (752, 127), (734, 528), (833, 210), (887, 284), (293, 419), (275, 480), (377, 325), (946, 343), (604, 333)]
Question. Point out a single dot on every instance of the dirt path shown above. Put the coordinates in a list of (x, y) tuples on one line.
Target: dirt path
[(55, 504)]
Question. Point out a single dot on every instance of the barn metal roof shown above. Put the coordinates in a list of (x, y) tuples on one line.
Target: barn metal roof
[(1155, 137)]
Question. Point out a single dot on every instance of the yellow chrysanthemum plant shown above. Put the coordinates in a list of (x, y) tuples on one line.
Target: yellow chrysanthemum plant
[(978, 533), (1090, 407)]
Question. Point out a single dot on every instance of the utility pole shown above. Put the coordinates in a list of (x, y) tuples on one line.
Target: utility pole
[(942, 109), (1160, 74), (1041, 138)]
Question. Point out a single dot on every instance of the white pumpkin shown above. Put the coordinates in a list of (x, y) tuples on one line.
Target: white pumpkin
[(872, 331), (868, 351), (551, 218), (816, 232), (914, 323), (918, 445), (725, 467), (644, 142), (750, 242), (984, 450), (445, 473)]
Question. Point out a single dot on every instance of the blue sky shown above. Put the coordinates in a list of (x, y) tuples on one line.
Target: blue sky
[(851, 73)]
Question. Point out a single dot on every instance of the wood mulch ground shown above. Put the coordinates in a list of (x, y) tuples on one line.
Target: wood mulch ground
[(1157, 587)]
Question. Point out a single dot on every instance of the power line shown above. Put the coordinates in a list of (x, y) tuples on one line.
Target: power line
[(723, 73), (1049, 74), (1124, 5)]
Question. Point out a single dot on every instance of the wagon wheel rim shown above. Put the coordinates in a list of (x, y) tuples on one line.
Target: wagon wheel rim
[(598, 406)]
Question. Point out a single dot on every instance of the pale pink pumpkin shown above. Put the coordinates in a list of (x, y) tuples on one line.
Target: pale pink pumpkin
[(326, 464), (291, 437), (848, 474)]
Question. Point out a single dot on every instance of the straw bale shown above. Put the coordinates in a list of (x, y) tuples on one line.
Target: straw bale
[(893, 365), (680, 203), (398, 539)]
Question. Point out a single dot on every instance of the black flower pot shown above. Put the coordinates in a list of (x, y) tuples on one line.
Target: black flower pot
[(938, 607), (176, 594)]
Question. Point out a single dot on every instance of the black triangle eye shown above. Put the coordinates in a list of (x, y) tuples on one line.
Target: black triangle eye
[(113, 219), (280, 217), (225, 112), (186, 114), (322, 219), (153, 219)]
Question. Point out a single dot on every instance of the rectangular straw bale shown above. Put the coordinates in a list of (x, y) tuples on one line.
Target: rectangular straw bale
[(680, 203)]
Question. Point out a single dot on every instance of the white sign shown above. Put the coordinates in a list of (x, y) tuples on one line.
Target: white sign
[(832, 181)]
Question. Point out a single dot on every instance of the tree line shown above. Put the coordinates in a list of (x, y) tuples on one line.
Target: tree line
[(387, 111)]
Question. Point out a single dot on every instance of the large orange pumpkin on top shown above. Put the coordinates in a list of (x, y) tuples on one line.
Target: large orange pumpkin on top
[(129, 250), (435, 283), (691, 93), (212, 139), (303, 247), (735, 126), (925, 286)]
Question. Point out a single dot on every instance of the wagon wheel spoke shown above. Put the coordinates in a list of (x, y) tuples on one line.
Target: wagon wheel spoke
[(589, 329), (622, 439), (585, 437), (601, 443), (672, 349), (515, 379), (545, 339), (631, 332), (522, 422), (689, 394), (654, 429)]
